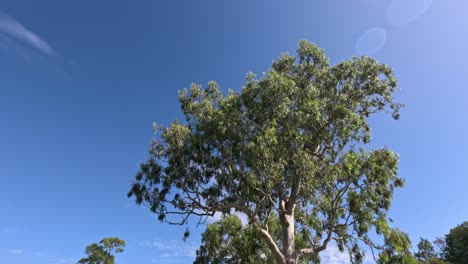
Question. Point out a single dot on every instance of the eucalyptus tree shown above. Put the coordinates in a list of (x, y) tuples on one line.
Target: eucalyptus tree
[(292, 144)]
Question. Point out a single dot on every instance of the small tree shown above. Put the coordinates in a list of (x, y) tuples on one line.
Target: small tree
[(425, 251), (291, 144), (441, 245), (103, 253)]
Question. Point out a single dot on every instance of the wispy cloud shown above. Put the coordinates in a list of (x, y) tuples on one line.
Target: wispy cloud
[(38, 254), (16, 251), (13, 29), (18, 41), (171, 249), (333, 255)]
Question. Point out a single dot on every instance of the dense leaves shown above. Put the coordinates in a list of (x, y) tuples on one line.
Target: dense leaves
[(457, 244), (228, 241), (103, 253), (291, 144)]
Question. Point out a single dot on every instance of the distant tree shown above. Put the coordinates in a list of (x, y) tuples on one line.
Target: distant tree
[(103, 253), (293, 145), (441, 247), (457, 244), (425, 251)]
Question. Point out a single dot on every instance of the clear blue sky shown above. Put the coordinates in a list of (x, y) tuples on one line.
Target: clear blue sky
[(81, 83)]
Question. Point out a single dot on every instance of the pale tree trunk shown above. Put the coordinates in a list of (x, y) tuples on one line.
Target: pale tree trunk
[(288, 254), (289, 250)]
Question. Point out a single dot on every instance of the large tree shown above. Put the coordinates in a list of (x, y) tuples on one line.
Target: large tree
[(103, 253), (291, 144)]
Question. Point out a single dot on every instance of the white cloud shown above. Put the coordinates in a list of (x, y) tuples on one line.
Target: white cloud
[(243, 217), (16, 251), (217, 216), (172, 248), (12, 28), (333, 255)]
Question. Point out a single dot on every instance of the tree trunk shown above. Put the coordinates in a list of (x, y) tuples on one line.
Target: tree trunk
[(289, 251)]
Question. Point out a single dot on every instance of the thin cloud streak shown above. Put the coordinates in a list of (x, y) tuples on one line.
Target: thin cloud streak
[(16, 251), (13, 28), (170, 249)]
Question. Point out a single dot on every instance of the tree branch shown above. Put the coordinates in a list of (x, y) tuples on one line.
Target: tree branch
[(272, 245)]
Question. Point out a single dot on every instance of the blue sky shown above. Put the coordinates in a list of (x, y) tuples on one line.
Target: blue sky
[(81, 83)]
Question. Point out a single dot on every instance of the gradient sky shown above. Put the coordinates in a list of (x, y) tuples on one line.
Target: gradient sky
[(81, 83)]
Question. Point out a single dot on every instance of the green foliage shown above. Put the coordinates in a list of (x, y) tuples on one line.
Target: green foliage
[(435, 261), (292, 144), (425, 251), (397, 251), (227, 241), (102, 253), (457, 244)]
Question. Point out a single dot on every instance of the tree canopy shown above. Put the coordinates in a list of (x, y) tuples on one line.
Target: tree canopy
[(103, 253), (457, 244), (291, 144)]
